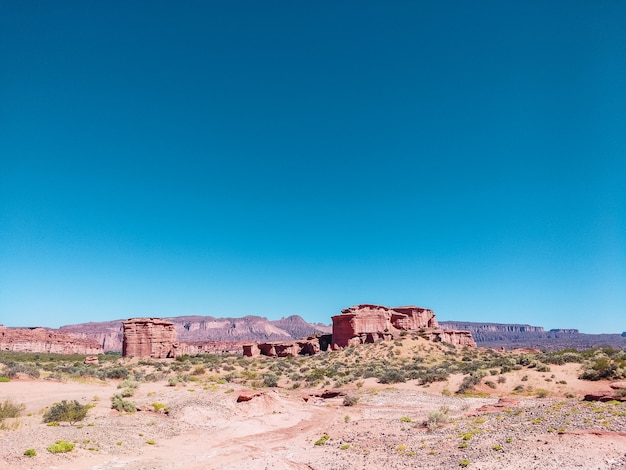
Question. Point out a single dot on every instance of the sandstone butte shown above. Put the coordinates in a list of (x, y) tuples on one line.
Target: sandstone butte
[(366, 324), (42, 340), (149, 337)]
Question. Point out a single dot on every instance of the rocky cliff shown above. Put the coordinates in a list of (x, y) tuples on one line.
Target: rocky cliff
[(149, 337), (44, 340)]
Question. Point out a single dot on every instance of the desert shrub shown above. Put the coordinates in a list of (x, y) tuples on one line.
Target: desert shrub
[(128, 384), (30, 452), (270, 380), (350, 400), (490, 384), (118, 403), (543, 368), (470, 381), (69, 411), (322, 440), (8, 409), (61, 446), (198, 370), (392, 376), (160, 406), (605, 363), (128, 392), (436, 419), (15, 368), (115, 373)]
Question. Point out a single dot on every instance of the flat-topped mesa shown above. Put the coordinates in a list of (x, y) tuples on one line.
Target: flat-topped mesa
[(44, 340), (368, 323), (149, 337)]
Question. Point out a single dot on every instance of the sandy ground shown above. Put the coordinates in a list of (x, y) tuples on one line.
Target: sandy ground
[(206, 428)]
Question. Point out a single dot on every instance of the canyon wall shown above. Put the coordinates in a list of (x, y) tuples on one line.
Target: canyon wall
[(43, 340)]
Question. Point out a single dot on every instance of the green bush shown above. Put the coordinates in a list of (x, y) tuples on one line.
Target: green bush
[(270, 380), (118, 403), (30, 452), (392, 376), (322, 440), (70, 411), (61, 446)]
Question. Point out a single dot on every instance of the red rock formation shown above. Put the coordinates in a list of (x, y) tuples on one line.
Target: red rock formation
[(502, 404), (43, 340), (251, 350), (619, 385), (458, 338), (414, 318), (309, 346), (149, 337), (362, 324), (369, 323), (247, 395)]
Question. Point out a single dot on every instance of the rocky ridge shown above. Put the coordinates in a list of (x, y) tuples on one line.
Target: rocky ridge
[(44, 340), (206, 332), (512, 336)]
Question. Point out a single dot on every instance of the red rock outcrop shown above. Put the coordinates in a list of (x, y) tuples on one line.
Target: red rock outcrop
[(308, 346), (149, 337), (44, 340), (458, 338), (370, 323), (362, 324)]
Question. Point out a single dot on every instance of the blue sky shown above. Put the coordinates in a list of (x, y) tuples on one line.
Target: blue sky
[(278, 158)]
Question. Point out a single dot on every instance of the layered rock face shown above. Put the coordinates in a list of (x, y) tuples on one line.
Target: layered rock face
[(42, 340), (149, 337), (369, 323)]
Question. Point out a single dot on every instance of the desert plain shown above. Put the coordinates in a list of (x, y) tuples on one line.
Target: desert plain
[(320, 412)]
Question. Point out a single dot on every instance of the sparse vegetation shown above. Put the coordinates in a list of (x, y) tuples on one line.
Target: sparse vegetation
[(350, 400), (66, 411), (118, 403), (60, 447), (8, 409), (322, 440)]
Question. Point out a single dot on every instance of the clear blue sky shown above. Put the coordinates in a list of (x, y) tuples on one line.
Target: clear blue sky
[(277, 158)]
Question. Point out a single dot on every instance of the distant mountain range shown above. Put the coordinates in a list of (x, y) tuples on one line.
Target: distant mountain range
[(510, 336), (206, 328), (253, 328)]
